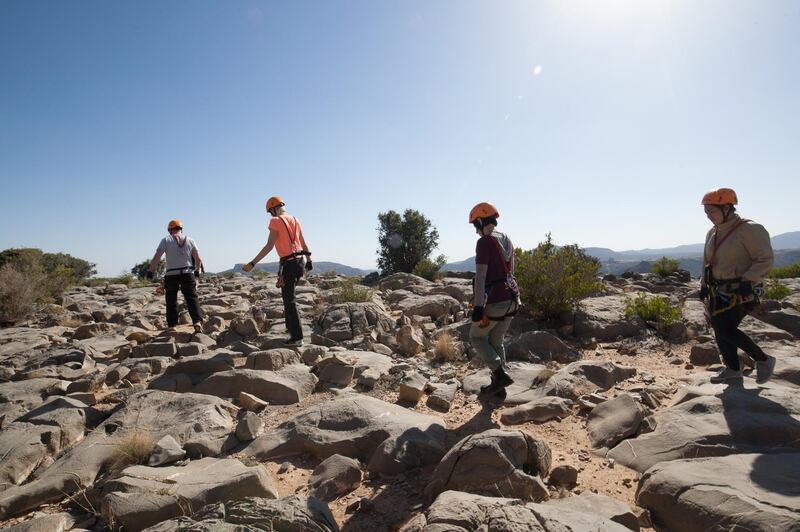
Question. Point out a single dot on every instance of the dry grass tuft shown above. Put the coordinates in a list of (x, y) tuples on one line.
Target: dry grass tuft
[(132, 449), (446, 349), (544, 376)]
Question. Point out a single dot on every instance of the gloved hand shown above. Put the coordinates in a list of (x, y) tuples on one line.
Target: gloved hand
[(703, 292), (477, 313), (149, 275), (197, 274), (746, 289), (247, 267), (309, 265)]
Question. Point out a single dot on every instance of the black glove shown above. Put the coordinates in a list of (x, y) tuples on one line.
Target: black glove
[(309, 265), (149, 275), (703, 292), (746, 289), (197, 274), (477, 313)]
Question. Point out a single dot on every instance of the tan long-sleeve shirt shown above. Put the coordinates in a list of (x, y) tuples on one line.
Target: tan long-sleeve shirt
[(746, 253)]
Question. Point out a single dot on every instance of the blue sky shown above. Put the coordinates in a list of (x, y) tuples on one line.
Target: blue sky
[(602, 122)]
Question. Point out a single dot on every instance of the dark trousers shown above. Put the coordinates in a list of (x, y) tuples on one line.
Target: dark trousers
[(188, 287), (292, 272), (730, 338)]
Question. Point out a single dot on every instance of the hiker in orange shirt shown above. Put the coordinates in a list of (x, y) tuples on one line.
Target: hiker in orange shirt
[(737, 257), (286, 236)]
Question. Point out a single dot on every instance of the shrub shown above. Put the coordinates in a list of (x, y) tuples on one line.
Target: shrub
[(19, 293), (664, 267), (553, 279), (133, 448), (786, 272), (658, 309), (349, 291), (140, 270), (429, 269), (445, 349), (776, 290)]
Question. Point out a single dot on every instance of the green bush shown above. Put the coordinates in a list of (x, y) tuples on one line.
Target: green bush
[(140, 270), (664, 267), (658, 309), (786, 272), (776, 290), (403, 241), (553, 279), (429, 269), (350, 291)]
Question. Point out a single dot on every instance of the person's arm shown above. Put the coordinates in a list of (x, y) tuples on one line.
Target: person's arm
[(157, 257), (273, 237), (756, 241), (198, 262), (479, 287)]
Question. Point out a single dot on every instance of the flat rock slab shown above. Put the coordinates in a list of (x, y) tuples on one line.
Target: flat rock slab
[(290, 385), (203, 363), (495, 462), (353, 425), (200, 423), (144, 496), (602, 505), (334, 477), (538, 411), (272, 359), (289, 514), (739, 492), (716, 420), (455, 511)]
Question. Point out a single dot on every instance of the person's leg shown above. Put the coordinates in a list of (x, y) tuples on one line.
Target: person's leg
[(171, 283), (498, 333), (725, 327), (479, 338), (291, 274), (189, 291)]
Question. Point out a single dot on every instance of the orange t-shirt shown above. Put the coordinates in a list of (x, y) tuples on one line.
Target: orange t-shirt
[(287, 243)]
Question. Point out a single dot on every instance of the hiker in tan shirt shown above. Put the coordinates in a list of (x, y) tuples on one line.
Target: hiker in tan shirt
[(737, 257)]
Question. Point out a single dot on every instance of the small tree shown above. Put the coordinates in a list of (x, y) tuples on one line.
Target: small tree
[(429, 269), (553, 279), (404, 241), (140, 270), (664, 267)]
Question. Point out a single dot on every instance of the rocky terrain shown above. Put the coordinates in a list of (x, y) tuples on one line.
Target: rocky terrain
[(109, 422)]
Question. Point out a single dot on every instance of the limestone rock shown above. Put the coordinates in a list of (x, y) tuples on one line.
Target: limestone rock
[(166, 451), (538, 410), (412, 388), (333, 477), (540, 346), (290, 385), (614, 420)]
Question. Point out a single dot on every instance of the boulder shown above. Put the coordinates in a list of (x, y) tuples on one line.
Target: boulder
[(497, 462), (455, 511), (787, 319), (346, 321), (289, 514), (287, 386), (410, 340), (539, 411), (615, 420), (540, 346), (604, 318), (443, 395), (272, 359), (202, 424), (412, 388), (352, 425), (704, 355), (404, 281), (564, 475), (250, 402), (60, 522), (249, 428), (737, 492), (434, 306), (161, 349), (335, 369), (144, 496), (166, 451), (333, 477), (202, 364)]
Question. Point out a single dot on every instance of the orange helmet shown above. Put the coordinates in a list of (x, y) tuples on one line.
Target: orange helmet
[(483, 210), (173, 224), (720, 196), (273, 202)]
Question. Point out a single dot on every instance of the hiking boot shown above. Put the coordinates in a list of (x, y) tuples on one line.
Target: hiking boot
[(503, 379), (764, 369), (497, 386), (726, 374), (198, 327), (293, 342)]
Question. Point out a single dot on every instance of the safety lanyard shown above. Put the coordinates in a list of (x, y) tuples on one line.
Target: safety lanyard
[(500, 250), (717, 245)]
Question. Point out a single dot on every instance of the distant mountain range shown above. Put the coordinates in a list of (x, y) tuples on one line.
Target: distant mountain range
[(786, 246), (319, 267)]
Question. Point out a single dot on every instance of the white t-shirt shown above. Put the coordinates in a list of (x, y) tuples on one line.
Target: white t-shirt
[(179, 254)]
